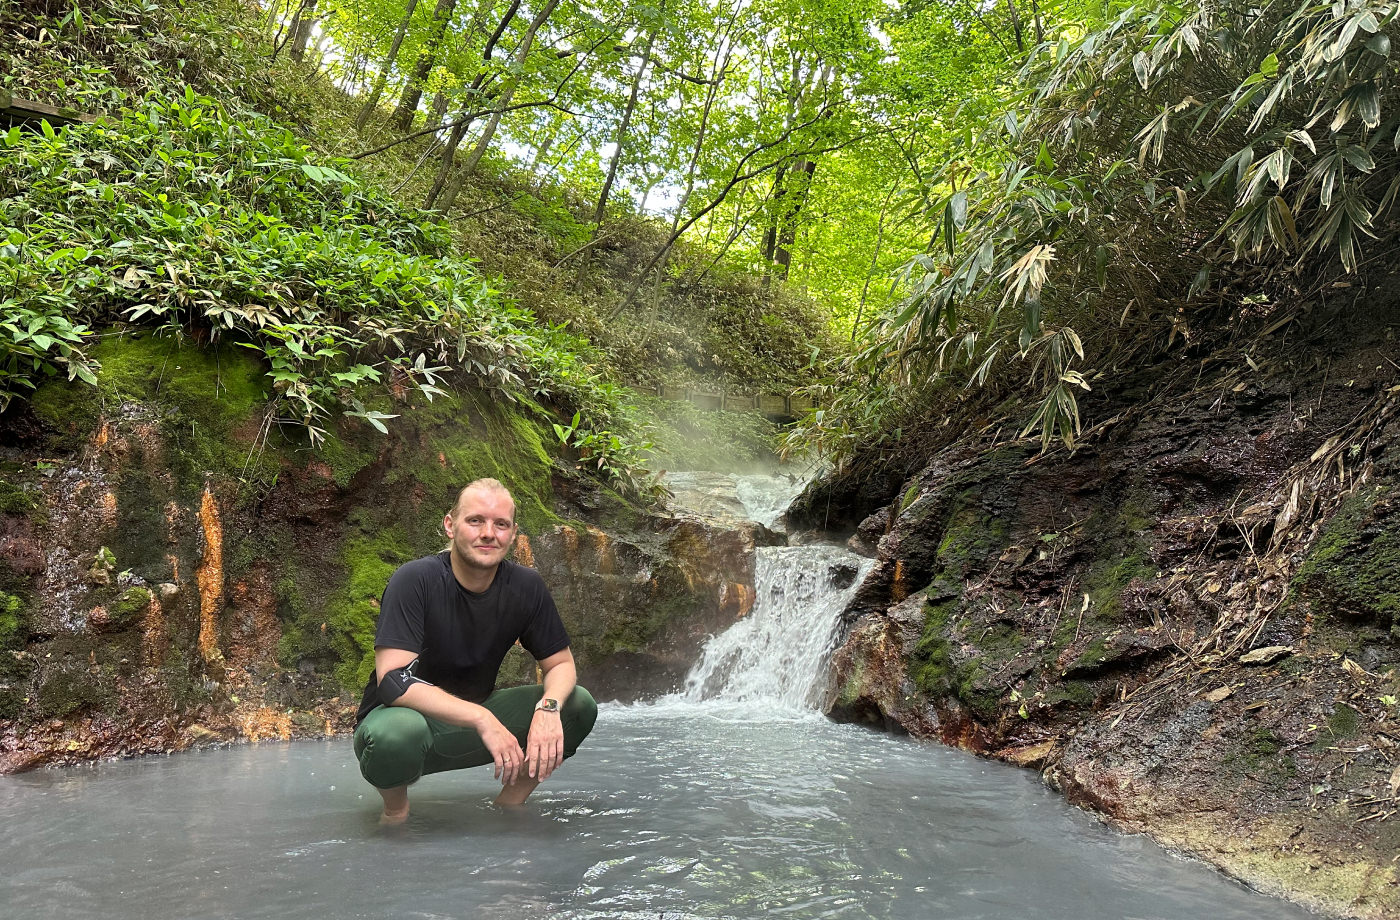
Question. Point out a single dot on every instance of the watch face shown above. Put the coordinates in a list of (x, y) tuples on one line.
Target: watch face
[(548, 705)]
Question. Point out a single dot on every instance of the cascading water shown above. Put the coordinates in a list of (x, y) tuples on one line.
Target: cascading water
[(777, 654)]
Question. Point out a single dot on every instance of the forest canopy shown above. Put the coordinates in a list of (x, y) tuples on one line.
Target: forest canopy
[(1012, 199)]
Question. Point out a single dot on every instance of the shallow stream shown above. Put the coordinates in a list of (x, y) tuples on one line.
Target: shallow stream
[(733, 799)]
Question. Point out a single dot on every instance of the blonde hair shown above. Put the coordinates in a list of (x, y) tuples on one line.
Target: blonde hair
[(493, 485)]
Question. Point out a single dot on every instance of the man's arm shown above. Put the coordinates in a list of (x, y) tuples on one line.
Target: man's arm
[(544, 747), (437, 703)]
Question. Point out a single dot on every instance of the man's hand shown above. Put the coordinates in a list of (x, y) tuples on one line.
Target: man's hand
[(544, 747), (505, 750)]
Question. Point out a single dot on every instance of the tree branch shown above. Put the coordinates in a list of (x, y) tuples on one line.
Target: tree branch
[(463, 119)]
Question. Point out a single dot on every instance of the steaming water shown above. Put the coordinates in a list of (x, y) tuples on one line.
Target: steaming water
[(733, 800)]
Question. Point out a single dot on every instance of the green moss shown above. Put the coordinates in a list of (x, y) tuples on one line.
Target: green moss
[(1351, 569), (1092, 656), (347, 454), (354, 611), (69, 410), (931, 666), (1343, 723), (1078, 693), (467, 438), (1107, 579), (71, 685), (216, 387), (1259, 758), (973, 535), (12, 624), (130, 607), (15, 500), (937, 671), (202, 395), (854, 684)]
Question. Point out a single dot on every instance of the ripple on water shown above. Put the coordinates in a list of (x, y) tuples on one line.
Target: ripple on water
[(670, 811)]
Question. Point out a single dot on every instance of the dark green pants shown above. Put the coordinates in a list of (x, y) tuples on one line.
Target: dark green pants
[(397, 745)]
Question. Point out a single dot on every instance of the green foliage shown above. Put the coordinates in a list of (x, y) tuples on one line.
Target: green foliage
[(1173, 152), (187, 217)]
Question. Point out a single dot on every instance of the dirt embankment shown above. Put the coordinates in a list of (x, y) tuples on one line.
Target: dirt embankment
[(1189, 624)]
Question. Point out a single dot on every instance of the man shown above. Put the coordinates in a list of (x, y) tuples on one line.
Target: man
[(445, 624)]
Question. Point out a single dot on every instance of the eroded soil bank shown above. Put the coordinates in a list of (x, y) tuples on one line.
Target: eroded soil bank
[(1188, 624), (173, 572)]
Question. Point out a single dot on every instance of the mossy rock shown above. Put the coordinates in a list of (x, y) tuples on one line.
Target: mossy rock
[(12, 620), (201, 395), (14, 499), (1351, 570)]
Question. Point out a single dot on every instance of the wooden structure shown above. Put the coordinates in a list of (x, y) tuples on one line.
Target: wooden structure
[(777, 406), (15, 111)]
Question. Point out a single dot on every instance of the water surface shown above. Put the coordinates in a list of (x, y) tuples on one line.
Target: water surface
[(677, 810)]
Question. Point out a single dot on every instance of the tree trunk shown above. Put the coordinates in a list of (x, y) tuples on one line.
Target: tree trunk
[(801, 179), (874, 259), (770, 233), (301, 31), (623, 127), (413, 89), (373, 101), (503, 98)]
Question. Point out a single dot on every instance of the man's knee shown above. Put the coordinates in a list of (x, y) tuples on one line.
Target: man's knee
[(578, 714), (391, 744)]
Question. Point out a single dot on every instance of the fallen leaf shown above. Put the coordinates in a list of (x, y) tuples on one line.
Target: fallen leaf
[(1395, 783), (1266, 655), (1219, 693), (1354, 669)]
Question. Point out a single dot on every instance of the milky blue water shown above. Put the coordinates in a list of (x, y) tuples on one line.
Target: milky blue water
[(676, 811)]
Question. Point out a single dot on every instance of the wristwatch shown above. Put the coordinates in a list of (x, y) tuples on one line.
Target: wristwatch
[(547, 705)]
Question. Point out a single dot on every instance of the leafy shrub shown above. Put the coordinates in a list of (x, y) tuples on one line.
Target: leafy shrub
[(1180, 168), (184, 217)]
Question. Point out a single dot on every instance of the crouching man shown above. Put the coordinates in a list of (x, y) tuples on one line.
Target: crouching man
[(445, 624)]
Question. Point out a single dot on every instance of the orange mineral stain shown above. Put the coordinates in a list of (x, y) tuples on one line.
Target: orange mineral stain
[(523, 552), (603, 548), (898, 590), (570, 537), (153, 634), (209, 576)]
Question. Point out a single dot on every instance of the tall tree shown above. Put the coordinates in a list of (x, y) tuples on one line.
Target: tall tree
[(427, 58), (372, 100)]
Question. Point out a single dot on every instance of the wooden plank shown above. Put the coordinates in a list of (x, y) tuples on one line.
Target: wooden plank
[(707, 400), (22, 111), (773, 404)]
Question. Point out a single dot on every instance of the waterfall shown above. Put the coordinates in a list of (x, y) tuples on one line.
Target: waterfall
[(778, 653)]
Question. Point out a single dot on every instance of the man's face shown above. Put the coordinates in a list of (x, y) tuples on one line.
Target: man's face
[(482, 527)]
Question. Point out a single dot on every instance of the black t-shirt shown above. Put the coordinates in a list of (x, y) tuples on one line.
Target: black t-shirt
[(460, 636)]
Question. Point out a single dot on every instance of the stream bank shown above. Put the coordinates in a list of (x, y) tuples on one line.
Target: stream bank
[(1187, 625), (174, 573)]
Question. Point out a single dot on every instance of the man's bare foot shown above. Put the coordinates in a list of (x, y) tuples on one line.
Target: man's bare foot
[(517, 792), (395, 805)]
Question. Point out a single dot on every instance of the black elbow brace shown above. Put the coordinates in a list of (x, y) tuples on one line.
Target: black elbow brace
[(397, 682)]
